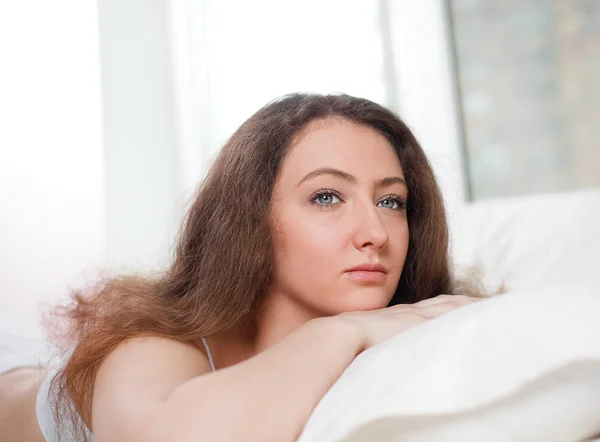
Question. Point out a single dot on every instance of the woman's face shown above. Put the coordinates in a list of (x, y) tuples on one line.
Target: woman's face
[(338, 204)]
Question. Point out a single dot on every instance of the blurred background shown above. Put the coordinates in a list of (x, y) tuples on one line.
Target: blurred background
[(111, 111)]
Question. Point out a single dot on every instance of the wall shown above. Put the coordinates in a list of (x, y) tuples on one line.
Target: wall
[(52, 219)]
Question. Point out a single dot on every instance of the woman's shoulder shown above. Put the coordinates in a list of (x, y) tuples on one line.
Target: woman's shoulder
[(155, 356), (141, 372)]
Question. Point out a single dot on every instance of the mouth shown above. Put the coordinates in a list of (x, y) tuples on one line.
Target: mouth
[(367, 273)]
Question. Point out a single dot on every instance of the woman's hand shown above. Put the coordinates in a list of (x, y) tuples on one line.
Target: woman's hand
[(379, 325)]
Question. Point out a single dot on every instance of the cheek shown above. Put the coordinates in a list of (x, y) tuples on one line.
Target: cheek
[(398, 241), (303, 240), (399, 236)]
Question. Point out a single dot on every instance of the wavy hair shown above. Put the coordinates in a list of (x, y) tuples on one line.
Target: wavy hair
[(223, 259)]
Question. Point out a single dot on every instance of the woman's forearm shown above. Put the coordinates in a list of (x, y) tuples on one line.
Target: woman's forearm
[(269, 397)]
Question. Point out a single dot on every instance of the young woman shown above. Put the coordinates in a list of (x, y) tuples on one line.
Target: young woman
[(319, 232)]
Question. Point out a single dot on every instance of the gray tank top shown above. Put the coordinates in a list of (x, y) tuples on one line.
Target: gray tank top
[(46, 399)]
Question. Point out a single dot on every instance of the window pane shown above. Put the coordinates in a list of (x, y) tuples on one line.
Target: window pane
[(529, 75)]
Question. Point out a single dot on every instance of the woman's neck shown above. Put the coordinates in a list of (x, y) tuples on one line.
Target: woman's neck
[(278, 316)]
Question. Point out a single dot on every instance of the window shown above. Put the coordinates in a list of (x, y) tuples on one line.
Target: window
[(529, 81)]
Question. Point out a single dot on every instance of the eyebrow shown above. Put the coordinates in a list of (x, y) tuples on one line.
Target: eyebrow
[(385, 182)]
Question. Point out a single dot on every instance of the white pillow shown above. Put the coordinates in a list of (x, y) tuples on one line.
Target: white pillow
[(534, 242), (516, 367)]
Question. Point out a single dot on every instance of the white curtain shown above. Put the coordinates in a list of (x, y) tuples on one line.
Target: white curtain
[(234, 56)]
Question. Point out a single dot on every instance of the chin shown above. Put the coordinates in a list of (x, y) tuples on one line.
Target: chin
[(361, 300)]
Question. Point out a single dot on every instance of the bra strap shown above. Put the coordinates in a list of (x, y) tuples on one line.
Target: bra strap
[(208, 352)]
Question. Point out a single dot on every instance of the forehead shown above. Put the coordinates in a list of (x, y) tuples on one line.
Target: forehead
[(338, 143)]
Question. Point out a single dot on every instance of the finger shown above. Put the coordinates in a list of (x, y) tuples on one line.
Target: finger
[(435, 310), (454, 300), (423, 303), (457, 299)]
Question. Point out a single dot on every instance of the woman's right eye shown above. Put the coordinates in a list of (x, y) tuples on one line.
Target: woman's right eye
[(325, 198)]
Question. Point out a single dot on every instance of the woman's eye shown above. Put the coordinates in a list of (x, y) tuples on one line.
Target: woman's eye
[(391, 203), (326, 199)]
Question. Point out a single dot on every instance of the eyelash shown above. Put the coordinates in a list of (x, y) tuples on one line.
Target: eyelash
[(400, 201)]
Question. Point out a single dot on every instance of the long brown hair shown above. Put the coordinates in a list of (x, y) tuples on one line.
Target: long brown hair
[(223, 259)]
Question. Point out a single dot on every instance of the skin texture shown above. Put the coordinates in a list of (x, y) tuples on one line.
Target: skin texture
[(316, 317), (319, 237)]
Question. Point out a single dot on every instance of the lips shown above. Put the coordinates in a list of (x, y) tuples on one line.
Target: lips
[(367, 273), (368, 268)]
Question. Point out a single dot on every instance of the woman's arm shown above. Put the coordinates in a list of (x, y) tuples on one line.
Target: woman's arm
[(268, 397), (159, 390)]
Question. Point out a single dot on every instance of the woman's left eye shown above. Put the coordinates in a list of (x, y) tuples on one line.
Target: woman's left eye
[(392, 203)]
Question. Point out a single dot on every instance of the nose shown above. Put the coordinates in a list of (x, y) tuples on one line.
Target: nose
[(370, 231)]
